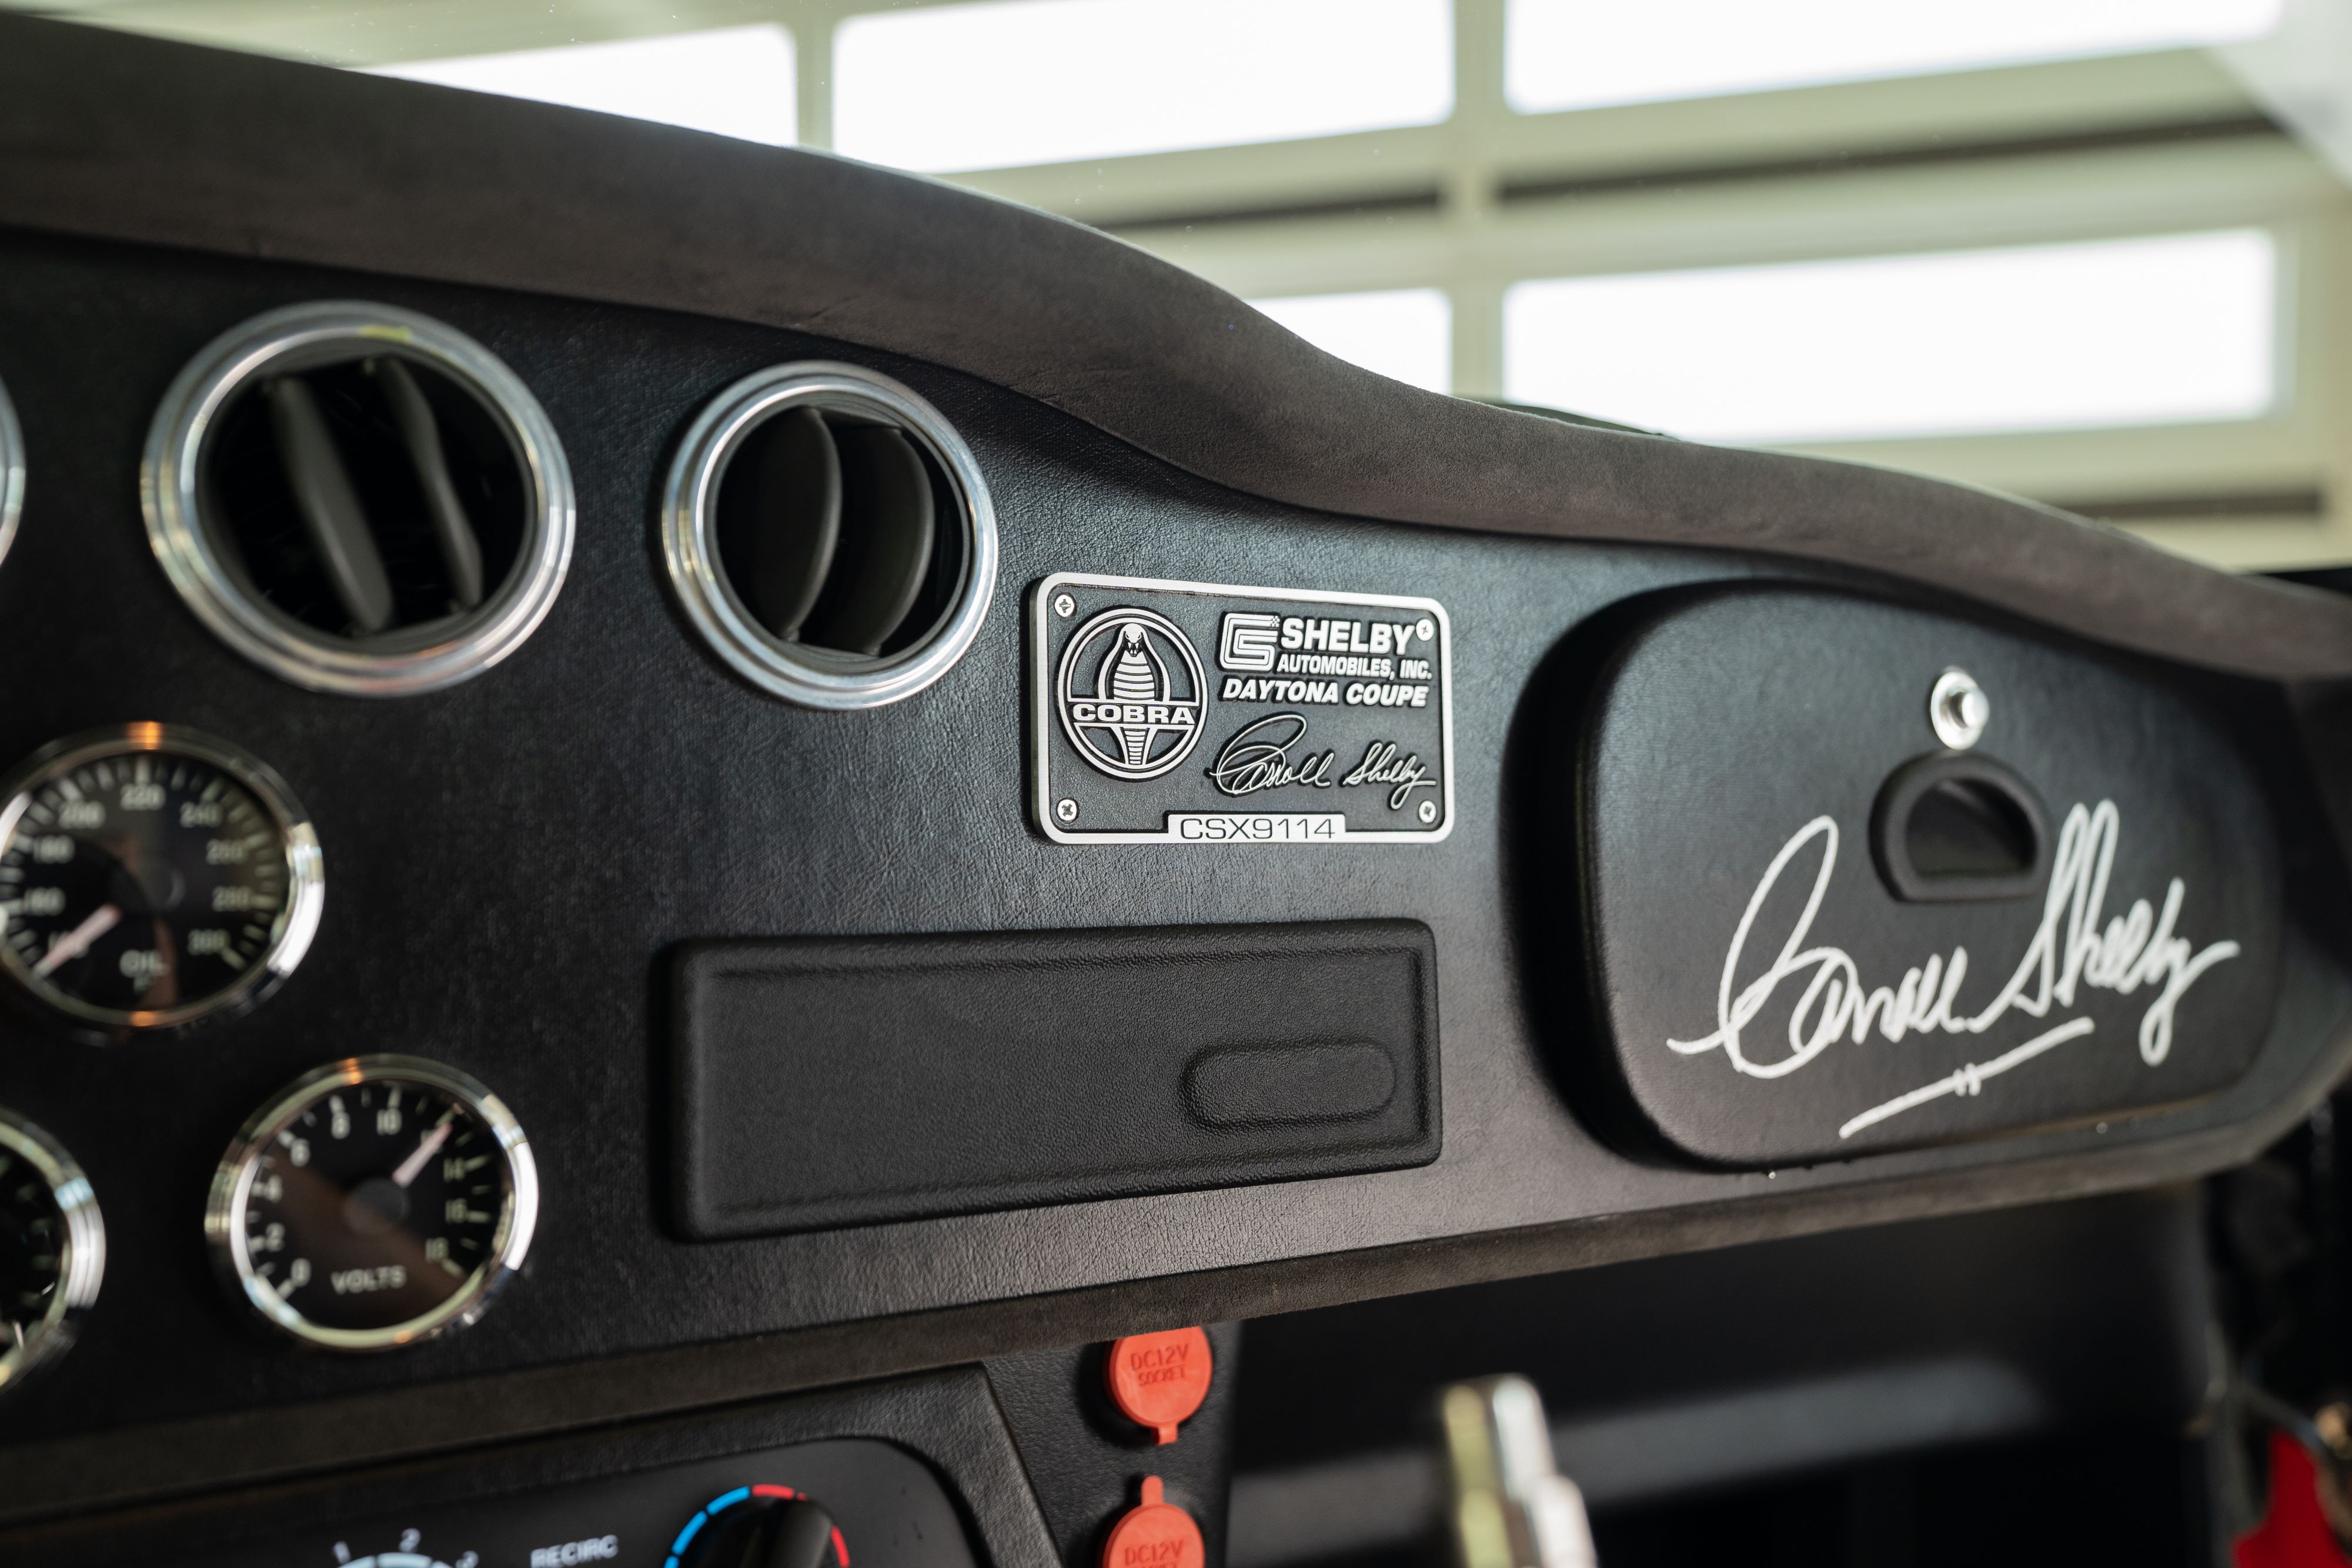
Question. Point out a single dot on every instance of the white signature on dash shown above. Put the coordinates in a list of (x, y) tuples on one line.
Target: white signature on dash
[(2069, 950), (1258, 757)]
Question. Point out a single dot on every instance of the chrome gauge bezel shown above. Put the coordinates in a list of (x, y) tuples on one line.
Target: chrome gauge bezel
[(690, 548), (306, 871), (83, 1263), (301, 336), (233, 1185), (12, 473)]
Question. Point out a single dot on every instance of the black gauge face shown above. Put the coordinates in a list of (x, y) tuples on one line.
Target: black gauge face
[(145, 885), (32, 1252), (373, 1211)]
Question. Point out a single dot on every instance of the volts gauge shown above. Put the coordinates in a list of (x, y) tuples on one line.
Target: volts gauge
[(375, 1203), (151, 876), (52, 1249)]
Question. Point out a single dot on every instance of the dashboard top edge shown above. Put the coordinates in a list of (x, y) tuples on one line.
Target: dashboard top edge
[(108, 134)]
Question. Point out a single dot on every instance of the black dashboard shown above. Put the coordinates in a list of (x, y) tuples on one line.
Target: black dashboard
[(1083, 888)]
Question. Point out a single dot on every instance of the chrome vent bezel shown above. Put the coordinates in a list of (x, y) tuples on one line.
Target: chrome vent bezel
[(815, 677), (12, 473), (322, 333)]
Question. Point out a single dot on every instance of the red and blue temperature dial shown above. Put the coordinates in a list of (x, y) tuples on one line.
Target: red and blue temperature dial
[(764, 1526)]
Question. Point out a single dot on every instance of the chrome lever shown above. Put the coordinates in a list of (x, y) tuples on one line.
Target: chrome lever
[(1510, 1508)]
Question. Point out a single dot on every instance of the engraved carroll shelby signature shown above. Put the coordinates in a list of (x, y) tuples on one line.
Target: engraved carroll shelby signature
[(1258, 757), (2069, 950)]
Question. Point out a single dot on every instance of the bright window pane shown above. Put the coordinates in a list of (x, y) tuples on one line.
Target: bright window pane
[(1406, 334), (1045, 81), (1579, 54), (2142, 332), (737, 81)]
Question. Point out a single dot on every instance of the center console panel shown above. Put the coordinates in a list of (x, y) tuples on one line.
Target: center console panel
[(915, 1474)]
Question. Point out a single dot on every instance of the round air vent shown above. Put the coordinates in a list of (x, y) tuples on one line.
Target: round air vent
[(359, 498), (830, 536), (12, 473)]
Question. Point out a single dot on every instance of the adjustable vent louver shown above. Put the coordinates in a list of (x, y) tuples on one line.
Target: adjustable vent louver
[(829, 533), (359, 498), (370, 500)]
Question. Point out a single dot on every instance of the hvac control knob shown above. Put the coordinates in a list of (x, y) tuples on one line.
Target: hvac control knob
[(760, 1527)]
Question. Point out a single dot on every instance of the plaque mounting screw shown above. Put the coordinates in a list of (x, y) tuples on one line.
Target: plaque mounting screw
[(1958, 709), (1067, 810), (1065, 606)]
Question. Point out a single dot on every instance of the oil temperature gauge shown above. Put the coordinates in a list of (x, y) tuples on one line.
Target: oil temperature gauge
[(52, 1249), (151, 876), (376, 1202)]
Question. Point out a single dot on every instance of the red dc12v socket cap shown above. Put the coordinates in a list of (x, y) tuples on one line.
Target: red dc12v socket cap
[(1157, 1380), (1155, 1533)]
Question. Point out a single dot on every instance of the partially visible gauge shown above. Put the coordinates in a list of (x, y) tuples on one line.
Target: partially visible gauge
[(52, 1249), (375, 1203), (151, 876), (12, 473)]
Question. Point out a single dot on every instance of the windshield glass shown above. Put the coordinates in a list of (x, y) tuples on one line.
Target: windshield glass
[(2087, 251)]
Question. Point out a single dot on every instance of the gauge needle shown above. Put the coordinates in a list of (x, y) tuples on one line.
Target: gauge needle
[(424, 1151), (75, 942)]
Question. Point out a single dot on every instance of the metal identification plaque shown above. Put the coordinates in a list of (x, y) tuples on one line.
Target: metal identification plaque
[(1204, 714)]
